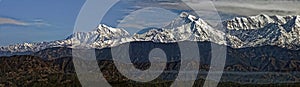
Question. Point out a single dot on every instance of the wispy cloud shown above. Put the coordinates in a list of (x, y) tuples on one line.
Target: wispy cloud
[(244, 7), (237, 7), (11, 21), (146, 17), (257, 7), (40, 22)]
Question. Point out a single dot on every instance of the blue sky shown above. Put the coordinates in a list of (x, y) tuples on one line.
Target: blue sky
[(37, 20)]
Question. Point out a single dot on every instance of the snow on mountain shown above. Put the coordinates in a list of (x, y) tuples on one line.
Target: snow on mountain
[(102, 34), (283, 31), (252, 31), (184, 28)]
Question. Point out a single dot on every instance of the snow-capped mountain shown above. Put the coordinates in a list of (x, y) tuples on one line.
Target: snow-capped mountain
[(184, 28), (240, 32), (282, 31), (102, 34)]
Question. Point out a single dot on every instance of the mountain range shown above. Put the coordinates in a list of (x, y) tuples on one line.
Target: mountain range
[(262, 48), (240, 32)]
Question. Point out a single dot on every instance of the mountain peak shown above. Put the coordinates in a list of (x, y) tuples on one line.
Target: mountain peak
[(104, 28), (100, 26), (260, 21), (186, 27), (266, 30), (185, 18), (188, 16), (184, 14), (102, 33)]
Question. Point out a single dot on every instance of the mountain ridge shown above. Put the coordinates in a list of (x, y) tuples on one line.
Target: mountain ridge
[(241, 32)]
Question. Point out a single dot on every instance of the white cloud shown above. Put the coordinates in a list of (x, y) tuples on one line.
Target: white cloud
[(236, 7), (39, 22), (240, 7), (258, 7), (11, 21)]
